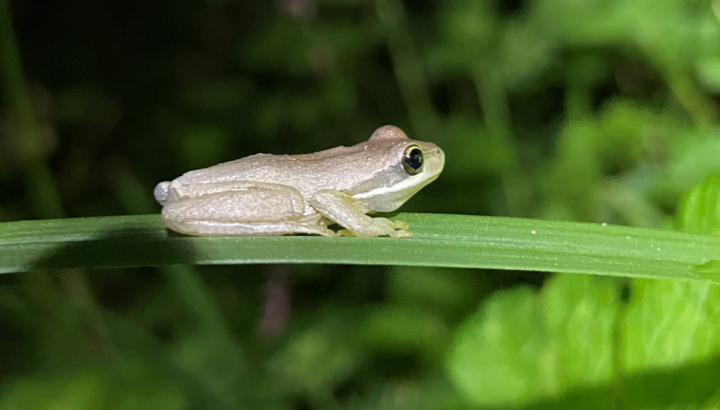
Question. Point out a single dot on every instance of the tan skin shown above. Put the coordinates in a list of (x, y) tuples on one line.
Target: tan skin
[(264, 194)]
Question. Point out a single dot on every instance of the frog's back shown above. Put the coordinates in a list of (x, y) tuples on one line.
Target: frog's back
[(306, 172), (249, 168)]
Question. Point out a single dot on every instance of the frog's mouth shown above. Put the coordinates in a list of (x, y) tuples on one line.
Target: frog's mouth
[(389, 198)]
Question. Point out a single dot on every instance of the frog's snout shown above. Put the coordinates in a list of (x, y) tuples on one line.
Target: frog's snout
[(434, 160)]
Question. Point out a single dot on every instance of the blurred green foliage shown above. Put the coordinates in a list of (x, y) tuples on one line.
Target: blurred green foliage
[(595, 110)]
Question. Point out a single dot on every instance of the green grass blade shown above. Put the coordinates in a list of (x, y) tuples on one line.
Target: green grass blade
[(439, 240)]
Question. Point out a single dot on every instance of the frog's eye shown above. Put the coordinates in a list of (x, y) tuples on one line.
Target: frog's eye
[(413, 160)]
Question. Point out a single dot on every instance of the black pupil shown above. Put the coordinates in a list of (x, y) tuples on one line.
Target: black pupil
[(415, 158)]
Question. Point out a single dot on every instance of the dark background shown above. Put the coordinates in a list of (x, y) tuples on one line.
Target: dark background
[(597, 111)]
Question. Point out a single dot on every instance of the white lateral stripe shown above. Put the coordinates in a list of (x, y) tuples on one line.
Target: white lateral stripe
[(404, 184)]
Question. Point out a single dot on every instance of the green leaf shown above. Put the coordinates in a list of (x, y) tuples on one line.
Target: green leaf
[(578, 344), (447, 292), (522, 346), (700, 209), (709, 72), (318, 357), (494, 360), (562, 348), (130, 385), (396, 329), (439, 240)]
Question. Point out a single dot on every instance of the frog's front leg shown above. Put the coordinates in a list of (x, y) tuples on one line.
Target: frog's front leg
[(241, 209), (350, 213)]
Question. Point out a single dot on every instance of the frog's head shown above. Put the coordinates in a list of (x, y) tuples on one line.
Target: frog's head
[(407, 166)]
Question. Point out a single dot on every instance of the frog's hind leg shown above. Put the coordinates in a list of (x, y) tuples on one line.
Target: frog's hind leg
[(246, 212), (214, 228)]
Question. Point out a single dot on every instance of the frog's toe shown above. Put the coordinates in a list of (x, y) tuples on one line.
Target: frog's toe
[(402, 225), (344, 232), (401, 233), (394, 229)]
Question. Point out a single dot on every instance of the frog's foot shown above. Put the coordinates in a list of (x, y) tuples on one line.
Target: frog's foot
[(401, 225), (393, 229), (384, 227)]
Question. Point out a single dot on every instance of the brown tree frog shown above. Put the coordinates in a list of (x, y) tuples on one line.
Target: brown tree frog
[(265, 194)]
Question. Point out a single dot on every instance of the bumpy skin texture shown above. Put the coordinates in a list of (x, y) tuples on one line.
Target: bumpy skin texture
[(267, 194)]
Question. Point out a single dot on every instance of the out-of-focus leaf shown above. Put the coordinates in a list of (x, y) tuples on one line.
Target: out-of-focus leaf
[(700, 209), (494, 360), (317, 358), (668, 324), (432, 393), (408, 330), (524, 54), (619, 139), (446, 291), (132, 385), (578, 342), (521, 347), (692, 160), (709, 72), (469, 30), (579, 316)]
